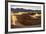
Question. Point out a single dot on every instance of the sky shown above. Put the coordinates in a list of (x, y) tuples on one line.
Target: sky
[(26, 7)]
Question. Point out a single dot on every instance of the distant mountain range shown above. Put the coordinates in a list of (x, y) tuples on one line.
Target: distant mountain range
[(24, 10)]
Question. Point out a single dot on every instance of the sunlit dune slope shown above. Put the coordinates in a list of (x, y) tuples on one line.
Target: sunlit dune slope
[(25, 18)]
